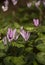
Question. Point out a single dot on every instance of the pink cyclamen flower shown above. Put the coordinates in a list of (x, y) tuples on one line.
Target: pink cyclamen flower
[(24, 34), (29, 4), (5, 40), (37, 4), (36, 22), (11, 34), (14, 2)]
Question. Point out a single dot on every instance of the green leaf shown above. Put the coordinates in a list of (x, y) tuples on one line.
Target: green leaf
[(35, 63), (28, 49), (7, 61), (41, 29), (18, 60), (2, 54), (41, 47), (41, 57), (17, 44), (2, 45)]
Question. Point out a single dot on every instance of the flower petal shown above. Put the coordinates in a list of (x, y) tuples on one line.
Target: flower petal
[(14, 2), (24, 34), (36, 22), (10, 34), (5, 40), (29, 4)]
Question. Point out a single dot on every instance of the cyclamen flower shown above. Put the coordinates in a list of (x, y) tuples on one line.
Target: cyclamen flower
[(37, 4), (16, 36), (14, 2), (11, 34), (5, 6), (5, 40), (29, 4), (44, 3), (24, 34), (6, 3), (36, 22)]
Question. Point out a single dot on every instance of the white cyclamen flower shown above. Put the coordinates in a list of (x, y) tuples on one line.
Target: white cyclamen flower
[(37, 4), (5, 40), (6, 3), (14, 2), (29, 4), (44, 3), (5, 6)]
